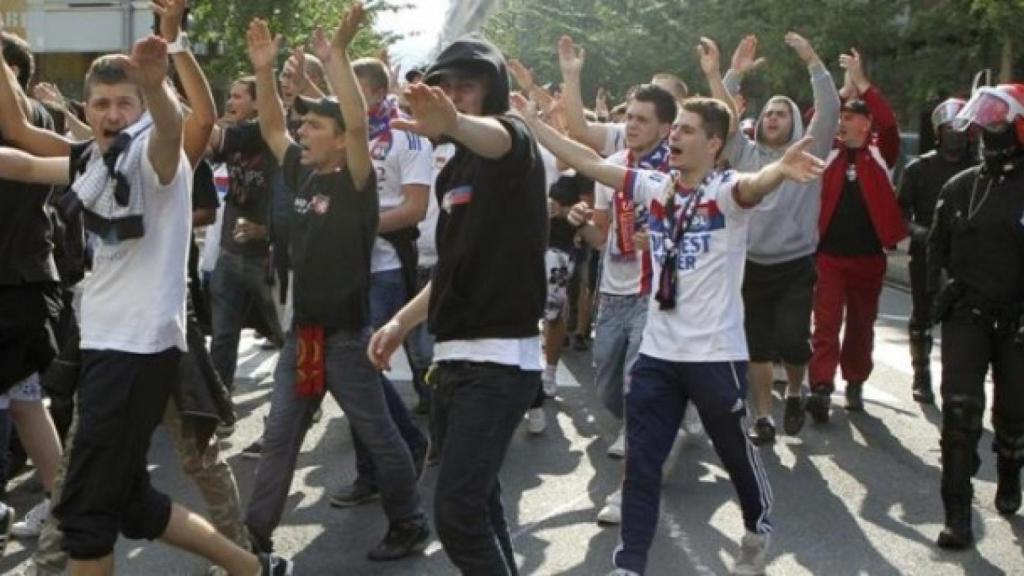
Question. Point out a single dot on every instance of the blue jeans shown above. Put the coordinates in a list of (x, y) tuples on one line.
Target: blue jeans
[(387, 296), (239, 283), (655, 403), (620, 326), (352, 381), (477, 407)]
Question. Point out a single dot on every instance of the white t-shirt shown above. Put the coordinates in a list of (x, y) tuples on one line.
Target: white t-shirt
[(614, 139), (707, 323), (406, 159), (621, 275), (551, 172), (524, 353), (134, 300), (426, 244)]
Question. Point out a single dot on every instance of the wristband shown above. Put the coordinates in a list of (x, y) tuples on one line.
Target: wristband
[(180, 44)]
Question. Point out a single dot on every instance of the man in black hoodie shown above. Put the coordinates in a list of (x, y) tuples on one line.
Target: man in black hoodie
[(491, 235)]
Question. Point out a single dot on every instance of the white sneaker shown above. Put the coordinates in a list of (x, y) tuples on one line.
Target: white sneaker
[(618, 448), (536, 421), (673, 456), (611, 514), (550, 385), (622, 572), (32, 524), (753, 554)]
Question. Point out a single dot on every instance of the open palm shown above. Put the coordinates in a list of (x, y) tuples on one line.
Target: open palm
[(263, 47)]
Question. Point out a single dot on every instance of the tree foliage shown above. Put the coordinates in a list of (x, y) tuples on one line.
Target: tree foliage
[(223, 23), (917, 51)]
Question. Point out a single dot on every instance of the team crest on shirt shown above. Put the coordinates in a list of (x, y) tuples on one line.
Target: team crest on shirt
[(320, 204), (380, 149), (459, 196)]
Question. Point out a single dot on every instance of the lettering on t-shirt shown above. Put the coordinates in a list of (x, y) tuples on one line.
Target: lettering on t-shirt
[(697, 240)]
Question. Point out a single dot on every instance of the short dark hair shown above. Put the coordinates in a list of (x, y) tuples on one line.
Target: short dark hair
[(715, 117), (18, 53), (107, 70), (664, 103), (373, 71), (250, 85)]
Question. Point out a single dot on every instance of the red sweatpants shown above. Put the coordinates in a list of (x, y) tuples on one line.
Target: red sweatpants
[(850, 286)]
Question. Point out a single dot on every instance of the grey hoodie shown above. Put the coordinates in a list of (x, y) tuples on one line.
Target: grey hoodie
[(784, 226)]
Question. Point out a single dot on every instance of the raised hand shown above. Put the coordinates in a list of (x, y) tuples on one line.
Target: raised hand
[(171, 13), (263, 47), (350, 24), (522, 75), (296, 64), (525, 107), (854, 66), (147, 65), (433, 112), (710, 56), (799, 165), (50, 95), (601, 103), (570, 57), (802, 47), (745, 59)]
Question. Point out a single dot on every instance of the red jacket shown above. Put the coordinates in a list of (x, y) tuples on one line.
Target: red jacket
[(872, 164)]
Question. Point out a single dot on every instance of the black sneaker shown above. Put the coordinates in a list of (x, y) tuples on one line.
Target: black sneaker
[(274, 565), (254, 450), (580, 343), (762, 432), (403, 539), (6, 522), (818, 405), (354, 494), (855, 396), (793, 415)]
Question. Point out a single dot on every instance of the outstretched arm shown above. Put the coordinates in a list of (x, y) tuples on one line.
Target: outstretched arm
[(797, 164), (710, 63), (571, 58), (342, 80), (576, 155), (147, 67), (15, 125), (826, 99), (434, 115), (263, 53), (19, 166), (199, 123)]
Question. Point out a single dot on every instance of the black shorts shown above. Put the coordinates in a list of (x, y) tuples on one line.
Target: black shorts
[(28, 318), (777, 301), (121, 400)]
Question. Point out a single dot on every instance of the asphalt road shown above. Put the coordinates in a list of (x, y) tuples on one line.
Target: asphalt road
[(857, 496)]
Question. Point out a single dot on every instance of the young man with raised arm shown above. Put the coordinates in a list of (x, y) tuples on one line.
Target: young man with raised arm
[(331, 177), (778, 286), (693, 347), (491, 234), (132, 184)]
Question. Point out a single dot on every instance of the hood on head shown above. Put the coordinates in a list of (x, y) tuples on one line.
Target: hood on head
[(474, 56), (794, 110)]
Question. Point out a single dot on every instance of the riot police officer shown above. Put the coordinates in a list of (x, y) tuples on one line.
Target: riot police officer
[(977, 239), (919, 190)]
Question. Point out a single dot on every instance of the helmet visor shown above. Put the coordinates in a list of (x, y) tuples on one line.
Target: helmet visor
[(946, 112), (990, 110)]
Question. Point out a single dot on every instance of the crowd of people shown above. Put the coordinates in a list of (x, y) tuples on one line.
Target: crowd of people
[(480, 229)]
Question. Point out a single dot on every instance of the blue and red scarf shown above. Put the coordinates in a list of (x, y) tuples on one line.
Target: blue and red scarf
[(380, 117), (626, 223)]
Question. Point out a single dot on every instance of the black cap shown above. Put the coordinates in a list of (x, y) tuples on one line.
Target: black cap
[(327, 107), (856, 106)]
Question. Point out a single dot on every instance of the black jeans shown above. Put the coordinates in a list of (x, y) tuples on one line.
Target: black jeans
[(477, 407), (121, 400)]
